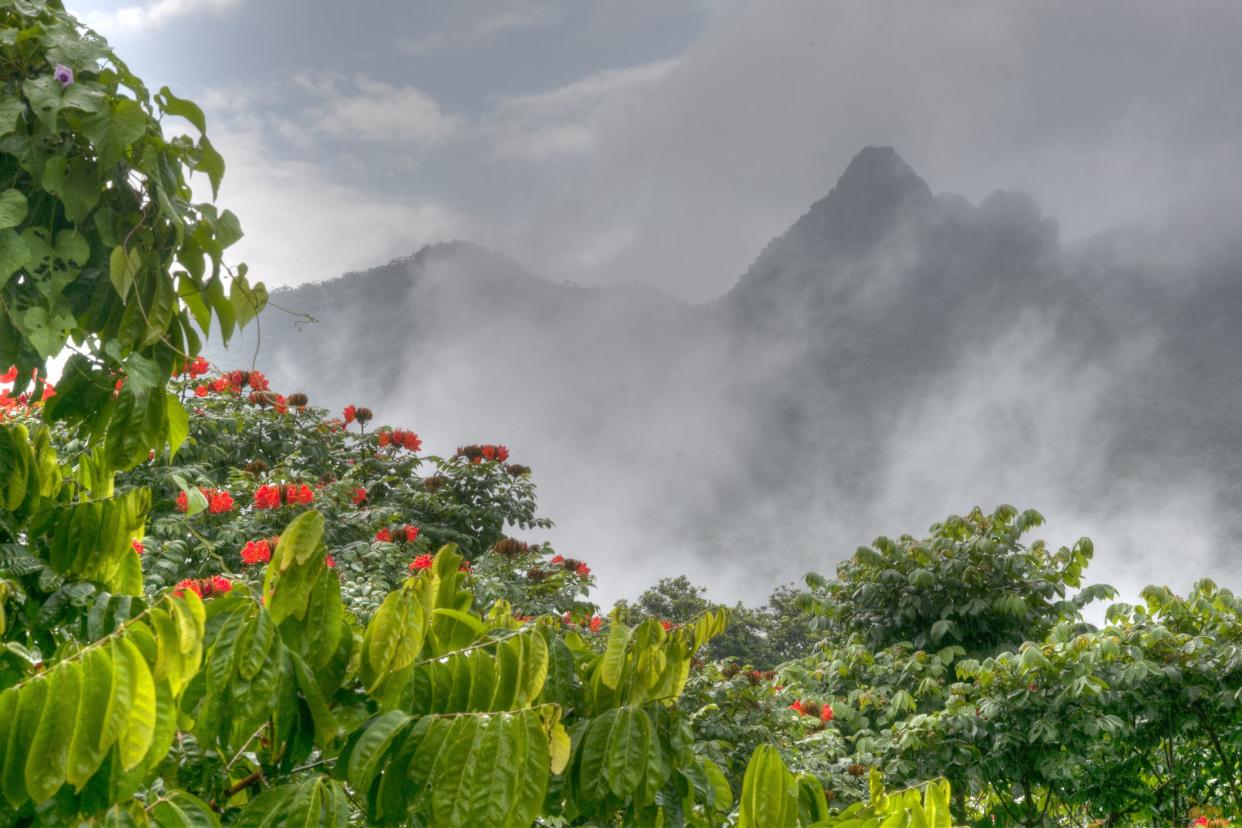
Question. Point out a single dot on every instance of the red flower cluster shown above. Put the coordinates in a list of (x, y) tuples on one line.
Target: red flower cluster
[(573, 565), (351, 412), (218, 500), (196, 368), (274, 496), (259, 551), (408, 532), (204, 587), (137, 544), (233, 382), (593, 624), (400, 438), (360, 495), (421, 562), (810, 708), (479, 453), (9, 403)]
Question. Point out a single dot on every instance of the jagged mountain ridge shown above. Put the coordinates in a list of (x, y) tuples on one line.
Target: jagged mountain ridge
[(895, 354)]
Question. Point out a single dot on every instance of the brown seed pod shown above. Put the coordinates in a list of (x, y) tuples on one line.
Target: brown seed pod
[(510, 548), (256, 467), (364, 415), (298, 400), (518, 470), (434, 483)]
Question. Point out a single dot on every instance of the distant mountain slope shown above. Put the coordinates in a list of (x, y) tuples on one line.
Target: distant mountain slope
[(894, 356)]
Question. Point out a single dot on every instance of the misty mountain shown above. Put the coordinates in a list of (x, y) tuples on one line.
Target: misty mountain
[(894, 356)]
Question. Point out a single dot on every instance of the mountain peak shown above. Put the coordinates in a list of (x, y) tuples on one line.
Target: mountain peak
[(876, 190)]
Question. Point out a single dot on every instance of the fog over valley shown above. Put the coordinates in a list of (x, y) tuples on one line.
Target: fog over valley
[(895, 356)]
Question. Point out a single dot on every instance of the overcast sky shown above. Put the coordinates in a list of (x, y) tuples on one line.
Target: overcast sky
[(665, 141)]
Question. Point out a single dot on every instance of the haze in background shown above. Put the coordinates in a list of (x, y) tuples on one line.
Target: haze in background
[(874, 370), (892, 358)]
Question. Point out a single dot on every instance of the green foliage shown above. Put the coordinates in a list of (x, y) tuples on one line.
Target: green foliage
[(103, 245), (970, 584), (761, 637)]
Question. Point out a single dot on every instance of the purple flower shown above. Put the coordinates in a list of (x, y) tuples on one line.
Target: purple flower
[(63, 74)]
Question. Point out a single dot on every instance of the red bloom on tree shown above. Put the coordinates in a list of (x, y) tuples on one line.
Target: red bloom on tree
[(384, 535), (351, 411), (9, 375), (360, 495), (464, 567), (582, 570), (557, 560), (183, 502), (421, 562), (204, 587), (330, 561), (200, 391), (198, 367), (267, 497), (255, 552), (257, 381), (137, 544), (596, 623), (219, 500), (411, 533), (384, 438), (667, 625), (823, 712)]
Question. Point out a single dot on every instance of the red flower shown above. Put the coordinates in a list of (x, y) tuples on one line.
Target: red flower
[(10, 374), (797, 707), (137, 544), (204, 587), (825, 714), (557, 560), (219, 501), (198, 367), (582, 571), (384, 535), (257, 381), (360, 494), (183, 502), (465, 567), (220, 385), (282, 405), (291, 493), (267, 497), (667, 625), (351, 412), (596, 623), (384, 437), (402, 439), (256, 552), (330, 561), (411, 533), (421, 562), (200, 391)]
